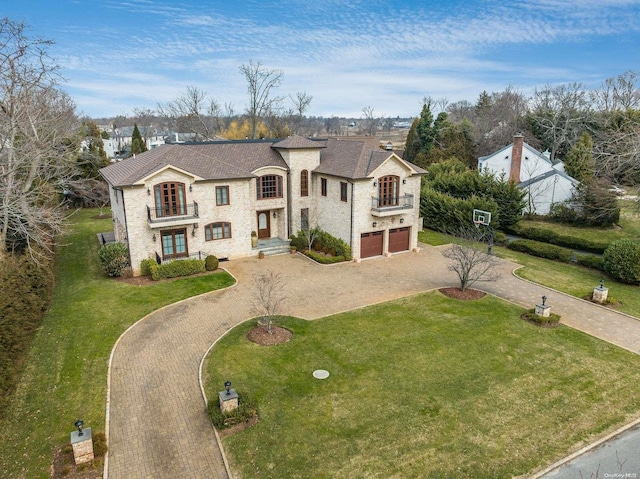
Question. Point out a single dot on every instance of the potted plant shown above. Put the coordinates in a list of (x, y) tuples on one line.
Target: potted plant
[(293, 250), (254, 239)]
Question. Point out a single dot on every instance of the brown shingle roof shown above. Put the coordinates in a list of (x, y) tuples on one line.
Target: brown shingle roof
[(298, 142), (238, 159), (224, 160)]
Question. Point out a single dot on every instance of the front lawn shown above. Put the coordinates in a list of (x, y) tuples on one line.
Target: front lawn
[(423, 387), (65, 373)]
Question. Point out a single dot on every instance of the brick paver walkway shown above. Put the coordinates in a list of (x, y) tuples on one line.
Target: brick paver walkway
[(157, 424)]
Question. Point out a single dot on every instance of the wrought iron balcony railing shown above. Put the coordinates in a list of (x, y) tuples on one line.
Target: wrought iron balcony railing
[(391, 203), (172, 212)]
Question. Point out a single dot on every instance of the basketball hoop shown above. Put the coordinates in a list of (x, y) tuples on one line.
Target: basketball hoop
[(477, 223)]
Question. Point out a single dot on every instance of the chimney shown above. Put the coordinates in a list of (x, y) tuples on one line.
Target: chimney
[(516, 157)]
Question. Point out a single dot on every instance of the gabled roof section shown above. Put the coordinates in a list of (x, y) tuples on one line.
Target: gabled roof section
[(356, 159), (297, 142), (209, 161), (545, 175)]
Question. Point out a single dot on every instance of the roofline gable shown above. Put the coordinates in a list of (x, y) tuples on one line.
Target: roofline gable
[(143, 180)]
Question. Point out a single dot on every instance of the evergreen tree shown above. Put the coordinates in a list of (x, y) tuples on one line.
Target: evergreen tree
[(137, 143), (425, 129), (412, 145), (579, 162)]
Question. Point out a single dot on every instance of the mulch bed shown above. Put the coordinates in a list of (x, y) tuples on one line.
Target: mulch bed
[(278, 335), (237, 428), (63, 466), (466, 295), (147, 281)]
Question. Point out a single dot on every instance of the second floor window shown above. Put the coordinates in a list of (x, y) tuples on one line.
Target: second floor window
[(388, 191), (216, 231), (222, 195), (343, 191), (170, 199), (323, 186), (304, 183), (269, 186)]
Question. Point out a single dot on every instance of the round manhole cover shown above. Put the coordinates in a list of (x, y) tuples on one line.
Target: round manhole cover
[(320, 374)]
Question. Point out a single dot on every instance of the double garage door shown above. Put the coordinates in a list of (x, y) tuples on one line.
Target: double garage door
[(371, 244)]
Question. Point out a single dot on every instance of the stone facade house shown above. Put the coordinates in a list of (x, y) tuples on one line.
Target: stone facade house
[(195, 199), (544, 181)]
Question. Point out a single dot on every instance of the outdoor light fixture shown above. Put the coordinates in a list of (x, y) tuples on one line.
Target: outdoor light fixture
[(544, 298), (78, 424), (275, 215), (404, 181), (154, 237), (401, 220), (190, 187), (375, 183), (602, 283), (148, 191), (227, 386), (375, 224)]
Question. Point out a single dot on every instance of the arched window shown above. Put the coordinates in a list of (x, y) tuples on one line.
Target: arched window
[(215, 231), (170, 199), (388, 190), (304, 183), (269, 186)]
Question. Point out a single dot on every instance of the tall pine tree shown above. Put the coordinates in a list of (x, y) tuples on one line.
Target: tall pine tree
[(137, 143)]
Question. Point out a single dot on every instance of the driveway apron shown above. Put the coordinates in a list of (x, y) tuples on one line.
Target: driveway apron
[(157, 422)]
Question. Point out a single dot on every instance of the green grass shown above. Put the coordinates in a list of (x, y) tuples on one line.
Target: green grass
[(65, 373), (424, 387), (569, 278)]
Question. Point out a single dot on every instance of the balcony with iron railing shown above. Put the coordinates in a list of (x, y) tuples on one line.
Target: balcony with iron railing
[(170, 215), (391, 205)]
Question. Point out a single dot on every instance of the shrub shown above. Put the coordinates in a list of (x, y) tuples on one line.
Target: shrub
[(247, 409), (27, 290), (145, 266), (211, 263), (546, 235), (320, 258), (324, 242), (542, 250), (114, 258), (622, 261), (175, 269), (548, 321), (590, 261), (99, 444)]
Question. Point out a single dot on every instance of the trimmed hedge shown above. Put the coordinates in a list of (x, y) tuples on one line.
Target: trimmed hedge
[(211, 263), (175, 269), (557, 253), (545, 321), (27, 291), (323, 242), (622, 261), (545, 235), (145, 266), (320, 258)]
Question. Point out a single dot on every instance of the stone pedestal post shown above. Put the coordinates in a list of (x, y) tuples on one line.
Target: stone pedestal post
[(600, 294), (82, 445), (228, 400), (543, 310)]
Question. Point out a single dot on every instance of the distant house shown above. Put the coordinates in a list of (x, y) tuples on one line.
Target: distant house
[(544, 181), (195, 199)]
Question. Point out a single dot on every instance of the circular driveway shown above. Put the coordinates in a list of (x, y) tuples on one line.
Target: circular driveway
[(157, 423)]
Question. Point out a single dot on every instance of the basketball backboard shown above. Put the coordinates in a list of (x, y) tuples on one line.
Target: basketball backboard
[(481, 217)]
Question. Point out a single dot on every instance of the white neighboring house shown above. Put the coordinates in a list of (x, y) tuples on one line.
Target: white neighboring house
[(195, 199), (545, 182)]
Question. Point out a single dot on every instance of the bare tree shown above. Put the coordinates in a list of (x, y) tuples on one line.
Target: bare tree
[(370, 120), (469, 263), (260, 83), (194, 112), (37, 152), (301, 103), (619, 93), (560, 114), (268, 297), (144, 119)]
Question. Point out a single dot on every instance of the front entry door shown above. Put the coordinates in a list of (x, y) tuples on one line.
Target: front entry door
[(264, 228)]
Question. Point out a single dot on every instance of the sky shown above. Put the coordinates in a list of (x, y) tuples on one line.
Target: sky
[(117, 55)]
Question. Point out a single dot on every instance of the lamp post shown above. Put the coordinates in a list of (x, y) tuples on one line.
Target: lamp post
[(544, 298), (227, 386), (78, 424)]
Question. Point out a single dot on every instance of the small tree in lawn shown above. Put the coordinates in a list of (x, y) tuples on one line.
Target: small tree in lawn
[(469, 263), (268, 297)]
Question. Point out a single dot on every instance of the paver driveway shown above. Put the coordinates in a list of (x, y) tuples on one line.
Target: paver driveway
[(157, 424)]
